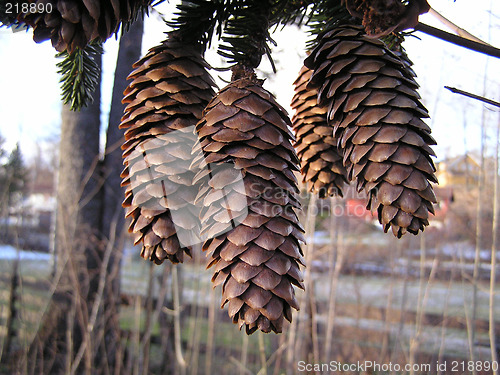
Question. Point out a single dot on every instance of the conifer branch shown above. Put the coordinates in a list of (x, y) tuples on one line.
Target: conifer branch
[(326, 15), (472, 96), (246, 34), (458, 40), (141, 11), (80, 75), (288, 12), (456, 29), (198, 20)]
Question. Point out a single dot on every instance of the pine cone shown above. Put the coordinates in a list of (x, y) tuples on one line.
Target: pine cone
[(320, 160), (377, 117), (169, 89), (72, 24), (245, 133)]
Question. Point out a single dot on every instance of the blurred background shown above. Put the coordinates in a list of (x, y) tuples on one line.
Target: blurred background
[(426, 299)]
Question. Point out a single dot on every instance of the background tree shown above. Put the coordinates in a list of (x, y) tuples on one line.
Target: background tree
[(368, 92), (3, 177), (89, 238), (13, 177)]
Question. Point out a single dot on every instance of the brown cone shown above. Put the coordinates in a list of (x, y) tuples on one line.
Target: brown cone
[(255, 244), (375, 109), (169, 89), (321, 162), (72, 24)]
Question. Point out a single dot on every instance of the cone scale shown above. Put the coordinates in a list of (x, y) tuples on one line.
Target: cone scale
[(257, 260), (169, 89), (71, 24), (320, 159), (375, 109)]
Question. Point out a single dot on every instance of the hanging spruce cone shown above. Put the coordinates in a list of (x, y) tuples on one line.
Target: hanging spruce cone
[(375, 109), (253, 232), (71, 24), (169, 89), (320, 160)]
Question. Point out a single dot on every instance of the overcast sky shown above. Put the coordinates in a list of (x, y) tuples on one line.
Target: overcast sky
[(30, 106)]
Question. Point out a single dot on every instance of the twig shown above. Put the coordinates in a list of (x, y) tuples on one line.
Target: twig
[(153, 315), (177, 321), (469, 325), (458, 40), (244, 353), (384, 350), (456, 29), (473, 96), (334, 274), (198, 315), (211, 332), (262, 353), (293, 351), (404, 301), (80, 315), (494, 245), (423, 298), (479, 229), (136, 335), (98, 299), (275, 356), (444, 324), (313, 324), (144, 345), (279, 354), (297, 343), (240, 366)]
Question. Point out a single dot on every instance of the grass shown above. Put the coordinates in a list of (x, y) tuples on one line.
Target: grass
[(368, 291), (375, 290)]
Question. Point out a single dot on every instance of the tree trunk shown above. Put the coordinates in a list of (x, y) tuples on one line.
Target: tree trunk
[(128, 54), (80, 331), (113, 219), (64, 339)]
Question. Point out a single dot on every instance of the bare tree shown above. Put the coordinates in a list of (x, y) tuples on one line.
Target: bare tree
[(77, 335)]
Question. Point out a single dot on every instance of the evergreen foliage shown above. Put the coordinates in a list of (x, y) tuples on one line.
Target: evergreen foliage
[(246, 34), (198, 20), (80, 75), (13, 176), (358, 118), (241, 27)]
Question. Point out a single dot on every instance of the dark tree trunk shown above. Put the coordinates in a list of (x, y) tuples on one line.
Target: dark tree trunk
[(128, 54), (80, 331), (112, 211), (11, 331), (64, 339)]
